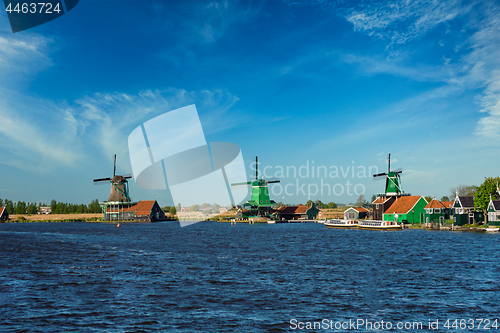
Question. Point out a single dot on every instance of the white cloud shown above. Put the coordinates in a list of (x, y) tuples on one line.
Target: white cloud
[(22, 53), (402, 21)]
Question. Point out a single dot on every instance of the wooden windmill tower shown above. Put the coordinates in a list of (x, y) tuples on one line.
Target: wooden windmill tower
[(260, 204), (119, 186), (393, 190)]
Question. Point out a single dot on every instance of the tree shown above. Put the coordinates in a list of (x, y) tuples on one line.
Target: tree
[(374, 197), (166, 209), (463, 190), (428, 198), (483, 193), (21, 207), (331, 205), (361, 201), (309, 203), (32, 208), (319, 204), (194, 208), (173, 211), (94, 207), (205, 205), (445, 198), (53, 205), (10, 206)]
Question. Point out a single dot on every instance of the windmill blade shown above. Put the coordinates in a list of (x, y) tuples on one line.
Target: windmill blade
[(114, 167), (127, 176), (102, 179), (398, 170), (245, 183), (380, 174), (273, 181)]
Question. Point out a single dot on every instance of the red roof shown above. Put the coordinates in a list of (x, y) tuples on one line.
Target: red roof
[(435, 204), (402, 205), (1, 210), (140, 208), (360, 209), (447, 204), (300, 209), (380, 200)]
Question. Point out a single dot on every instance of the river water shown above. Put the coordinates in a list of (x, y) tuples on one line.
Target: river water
[(214, 277)]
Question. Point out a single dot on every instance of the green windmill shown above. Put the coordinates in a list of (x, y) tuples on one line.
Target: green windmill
[(392, 182), (260, 204)]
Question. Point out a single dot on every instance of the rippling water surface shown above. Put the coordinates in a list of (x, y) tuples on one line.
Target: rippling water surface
[(208, 277)]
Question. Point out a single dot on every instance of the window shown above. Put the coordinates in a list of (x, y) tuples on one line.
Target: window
[(376, 206), (437, 210)]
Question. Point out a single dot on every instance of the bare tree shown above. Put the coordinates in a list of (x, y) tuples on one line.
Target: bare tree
[(463, 190), (361, 201)]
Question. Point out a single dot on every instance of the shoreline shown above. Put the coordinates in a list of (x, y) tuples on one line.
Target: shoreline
[(48, 218)]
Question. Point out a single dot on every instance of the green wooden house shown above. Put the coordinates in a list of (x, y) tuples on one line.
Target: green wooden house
[(494, 212), (464, 211), (436, 212), (409, 209)]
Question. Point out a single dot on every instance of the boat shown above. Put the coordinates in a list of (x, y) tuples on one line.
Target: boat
[(379, 225), (344, 224), (490, 229)]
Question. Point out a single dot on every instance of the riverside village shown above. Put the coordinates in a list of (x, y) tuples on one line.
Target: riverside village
[(472, 208)]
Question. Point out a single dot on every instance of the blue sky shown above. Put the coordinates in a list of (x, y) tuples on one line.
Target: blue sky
[(296, 83)]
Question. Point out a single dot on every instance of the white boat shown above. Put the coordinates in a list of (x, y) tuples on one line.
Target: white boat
[(379, 225), (343, 224), (491, 229)]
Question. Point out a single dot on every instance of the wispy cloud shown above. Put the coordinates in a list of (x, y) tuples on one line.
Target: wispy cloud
[(64, 134), (402, 21), (478, 67), (36, 135), (109, 118)]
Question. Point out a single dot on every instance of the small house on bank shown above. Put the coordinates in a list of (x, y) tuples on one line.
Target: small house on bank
[(406, 209), (44, 210), (436, 212), (356, 213), (464, 211), (299, 212), (4, 215), (494, 213)]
